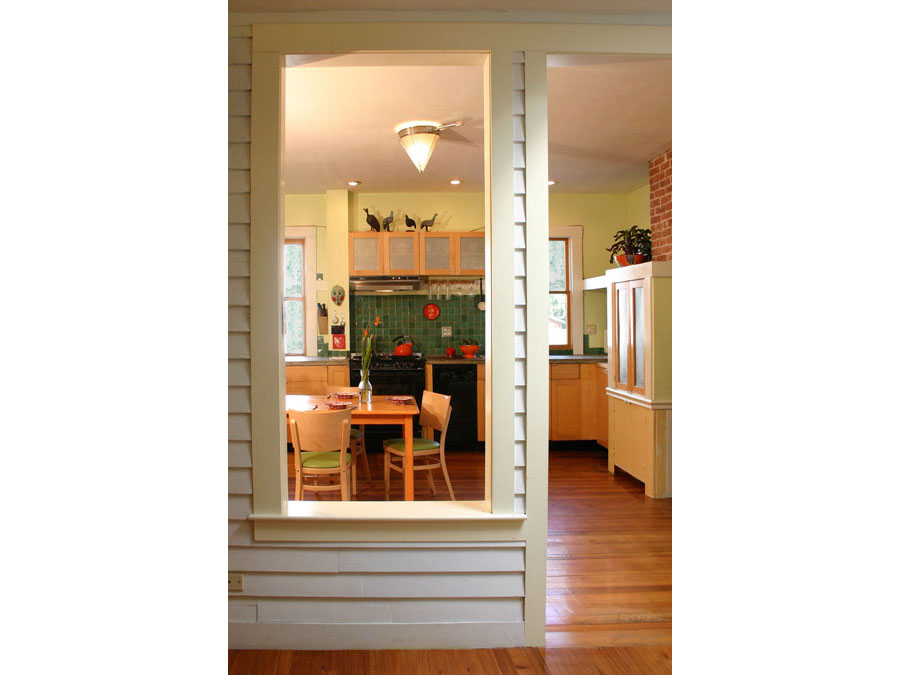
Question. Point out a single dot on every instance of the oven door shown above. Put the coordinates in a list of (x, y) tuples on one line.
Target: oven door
[(389, 382)]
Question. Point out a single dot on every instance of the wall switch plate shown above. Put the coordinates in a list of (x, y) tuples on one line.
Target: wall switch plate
[(446, 331), (592, 329), (235, 582)]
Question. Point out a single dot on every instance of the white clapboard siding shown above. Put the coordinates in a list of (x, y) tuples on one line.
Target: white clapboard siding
[(238, 427), (450, 635), (238, 104), (238, 264), (519, 454), (519, 481), (239, 481), (239, 454), (240, 609), (238, 155), (239, 506), (382, 610), (238, 291), (238, 345), (239, 50), (238, 237), (519, 216), (383, 585), (238, 399), (238, 372), (458, 559), (239, 208), (239, 319)]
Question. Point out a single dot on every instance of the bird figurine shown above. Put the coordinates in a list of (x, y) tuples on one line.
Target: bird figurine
[(386, 225), (427, 224), (410, 224), (372, 221)]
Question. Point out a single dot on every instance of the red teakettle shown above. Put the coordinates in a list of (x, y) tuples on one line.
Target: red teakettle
[(403, 348)]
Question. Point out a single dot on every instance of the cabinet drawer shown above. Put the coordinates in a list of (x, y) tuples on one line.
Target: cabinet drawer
[(306, 374), (565, 371)]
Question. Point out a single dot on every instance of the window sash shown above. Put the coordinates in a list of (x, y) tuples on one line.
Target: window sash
[(567, 293)]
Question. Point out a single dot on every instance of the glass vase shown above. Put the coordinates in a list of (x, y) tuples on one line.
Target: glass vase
[(365, 389)]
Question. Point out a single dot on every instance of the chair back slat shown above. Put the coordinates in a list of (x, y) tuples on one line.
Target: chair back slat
[(435, 411), (320, 431)]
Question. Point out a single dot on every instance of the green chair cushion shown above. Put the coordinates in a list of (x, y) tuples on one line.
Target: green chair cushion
[(419, 444), (322, 460), (355, 433)]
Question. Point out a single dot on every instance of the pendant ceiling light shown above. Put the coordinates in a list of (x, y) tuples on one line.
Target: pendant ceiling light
[(419, 140)]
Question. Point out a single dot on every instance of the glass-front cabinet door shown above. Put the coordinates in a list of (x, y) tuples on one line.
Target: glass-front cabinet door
[(437, 253), (366, 254), (471, 253), (402, 252), (629, 339)]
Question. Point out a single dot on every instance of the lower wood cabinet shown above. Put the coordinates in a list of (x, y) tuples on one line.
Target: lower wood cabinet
[(573, 401), (602, 405), (311, 380), (640, 444)]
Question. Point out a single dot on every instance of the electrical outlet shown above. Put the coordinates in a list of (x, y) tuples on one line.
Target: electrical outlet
[(235, 582), (446, 331), (592, 329)]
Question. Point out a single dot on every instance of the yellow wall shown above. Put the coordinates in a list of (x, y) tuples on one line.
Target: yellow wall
[(638, 204), (461, 211)]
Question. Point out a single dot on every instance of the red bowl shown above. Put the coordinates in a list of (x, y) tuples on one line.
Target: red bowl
[(469, 351), (625, 259)]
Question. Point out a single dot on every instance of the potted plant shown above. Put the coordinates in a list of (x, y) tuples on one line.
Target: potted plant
[(630, 247), (469, 348)]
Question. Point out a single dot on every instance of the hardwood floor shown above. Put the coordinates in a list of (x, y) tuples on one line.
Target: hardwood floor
[(609, 661), (609, 555), (609, 580), (466, 471)]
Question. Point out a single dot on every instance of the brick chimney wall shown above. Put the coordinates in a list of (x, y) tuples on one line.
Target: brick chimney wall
[(661, 206)]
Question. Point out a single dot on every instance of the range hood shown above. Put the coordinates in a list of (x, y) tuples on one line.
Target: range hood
[(385, 284)]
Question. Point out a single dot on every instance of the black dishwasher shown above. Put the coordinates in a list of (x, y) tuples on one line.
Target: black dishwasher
[(460, 382)]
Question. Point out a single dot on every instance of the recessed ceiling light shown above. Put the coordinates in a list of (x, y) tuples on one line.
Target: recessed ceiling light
[(353, 183), (551, 182), (455, 181)]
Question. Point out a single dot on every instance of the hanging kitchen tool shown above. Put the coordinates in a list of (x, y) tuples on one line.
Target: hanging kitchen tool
[(480, 304)]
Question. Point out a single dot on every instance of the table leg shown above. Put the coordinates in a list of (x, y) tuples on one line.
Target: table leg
[(408, 471)]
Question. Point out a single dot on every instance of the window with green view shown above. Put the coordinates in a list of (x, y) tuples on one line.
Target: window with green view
[(294, 334), (559, 294)]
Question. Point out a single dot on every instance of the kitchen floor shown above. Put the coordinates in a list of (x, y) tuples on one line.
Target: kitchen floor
[(466, 471)]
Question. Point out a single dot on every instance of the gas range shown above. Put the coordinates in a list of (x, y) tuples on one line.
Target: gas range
[(389, 362)]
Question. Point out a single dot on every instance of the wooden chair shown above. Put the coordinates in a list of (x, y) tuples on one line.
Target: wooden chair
[(357, 435), (435, 416), (320, 440)]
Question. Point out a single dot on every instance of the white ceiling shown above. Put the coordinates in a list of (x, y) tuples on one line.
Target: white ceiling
[(608, 116)]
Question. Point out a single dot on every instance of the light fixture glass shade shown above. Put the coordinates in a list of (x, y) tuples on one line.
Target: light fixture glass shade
[(419, 142)]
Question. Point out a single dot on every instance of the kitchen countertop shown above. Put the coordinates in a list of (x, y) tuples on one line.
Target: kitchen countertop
[(316, 361), (578, 358), (453, 359)]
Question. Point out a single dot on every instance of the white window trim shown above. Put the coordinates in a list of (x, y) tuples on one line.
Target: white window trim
[(573, 234), (310, 287)]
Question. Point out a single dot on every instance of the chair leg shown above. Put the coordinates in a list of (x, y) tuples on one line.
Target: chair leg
[(387, 476), (345, 486), (446, 477), (298, 486), (431, 482), (353, 471)]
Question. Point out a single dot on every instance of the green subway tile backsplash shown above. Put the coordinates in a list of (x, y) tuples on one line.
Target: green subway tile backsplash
[(402, 315)]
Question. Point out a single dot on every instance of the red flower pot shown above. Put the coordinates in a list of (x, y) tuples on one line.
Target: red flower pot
[(625, 259)]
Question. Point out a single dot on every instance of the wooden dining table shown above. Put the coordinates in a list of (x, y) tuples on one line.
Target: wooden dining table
[(379, 411)]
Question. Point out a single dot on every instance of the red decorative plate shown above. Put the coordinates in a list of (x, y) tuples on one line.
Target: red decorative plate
[(431, 311), (337, 405)]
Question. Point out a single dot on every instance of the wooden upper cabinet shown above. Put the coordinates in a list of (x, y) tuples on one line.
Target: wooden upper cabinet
[(471, 253), (401, 253), (438, 253), (367, 256)]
